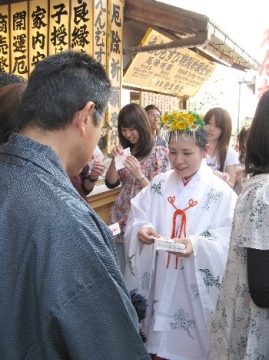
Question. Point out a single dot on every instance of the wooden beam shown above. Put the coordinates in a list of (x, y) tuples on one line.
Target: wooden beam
[(198, 40), (7, 2), (165, 16)]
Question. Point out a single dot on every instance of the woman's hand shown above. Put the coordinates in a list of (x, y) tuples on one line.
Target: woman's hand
[(222, 175), (188, 247), (98, 169), (225, 176), (117, 150), (133, 165), (145, 235), (112, 174)]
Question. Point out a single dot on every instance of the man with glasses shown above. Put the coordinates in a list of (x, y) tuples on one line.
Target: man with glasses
[(62, 295), (154, 116)]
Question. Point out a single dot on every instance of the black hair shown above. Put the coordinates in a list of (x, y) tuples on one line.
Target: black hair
[(199, 136), (134, 116), (152, 107), (242, 139), (59, 86), (9, 78), (257, 145)]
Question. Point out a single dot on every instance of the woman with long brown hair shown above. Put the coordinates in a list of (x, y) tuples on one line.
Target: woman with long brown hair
[(146, 161), (221, 157)]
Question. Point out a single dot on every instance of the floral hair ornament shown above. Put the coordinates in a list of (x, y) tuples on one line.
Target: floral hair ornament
[(180, 121)]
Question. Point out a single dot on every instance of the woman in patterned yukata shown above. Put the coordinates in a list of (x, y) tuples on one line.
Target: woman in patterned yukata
[(194, 207), (239, 327), (146, 161)]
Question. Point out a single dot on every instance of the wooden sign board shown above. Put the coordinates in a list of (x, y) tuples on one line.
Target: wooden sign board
[(114, 66), (178, 71), (164, 103)]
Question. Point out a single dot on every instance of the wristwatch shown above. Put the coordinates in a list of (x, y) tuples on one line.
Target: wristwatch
[(92, 180)]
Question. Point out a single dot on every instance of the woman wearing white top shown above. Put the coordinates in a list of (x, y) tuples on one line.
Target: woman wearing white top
[(221, 158)]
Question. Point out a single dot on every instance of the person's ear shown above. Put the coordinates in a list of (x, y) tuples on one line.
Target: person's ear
[(84, 116), (206, 149)]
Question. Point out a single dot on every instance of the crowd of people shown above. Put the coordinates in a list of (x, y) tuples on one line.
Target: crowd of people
[(192, 212)]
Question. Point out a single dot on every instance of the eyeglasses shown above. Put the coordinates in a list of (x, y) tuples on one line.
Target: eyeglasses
[(105, 129), (99, 111), (158, 116)]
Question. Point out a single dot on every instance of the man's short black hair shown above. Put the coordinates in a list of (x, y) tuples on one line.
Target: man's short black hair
[(59, 86)]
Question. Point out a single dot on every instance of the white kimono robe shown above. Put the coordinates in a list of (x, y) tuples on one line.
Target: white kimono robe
[(181, 296)]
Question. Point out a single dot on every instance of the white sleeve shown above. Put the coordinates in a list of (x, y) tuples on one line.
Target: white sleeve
[(232, 157), (138, 256)]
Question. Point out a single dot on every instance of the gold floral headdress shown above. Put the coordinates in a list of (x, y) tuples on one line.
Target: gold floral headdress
[(182, 121)]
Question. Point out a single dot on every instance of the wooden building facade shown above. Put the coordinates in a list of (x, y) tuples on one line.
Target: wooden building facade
[(161, 53)]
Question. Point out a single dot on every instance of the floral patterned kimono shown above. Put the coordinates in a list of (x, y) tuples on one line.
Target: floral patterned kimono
[(154, 164), (239, 329), (181, 292)]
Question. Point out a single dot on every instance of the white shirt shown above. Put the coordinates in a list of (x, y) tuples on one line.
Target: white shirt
[(231, 159)]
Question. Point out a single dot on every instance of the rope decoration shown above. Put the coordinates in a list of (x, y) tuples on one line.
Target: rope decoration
[(182, 229)]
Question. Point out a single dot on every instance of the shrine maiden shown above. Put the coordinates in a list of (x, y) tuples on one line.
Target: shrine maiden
[(194, 207)]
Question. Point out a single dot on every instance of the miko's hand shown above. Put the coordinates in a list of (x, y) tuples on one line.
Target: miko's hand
[(145, 235), (188, 247)]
